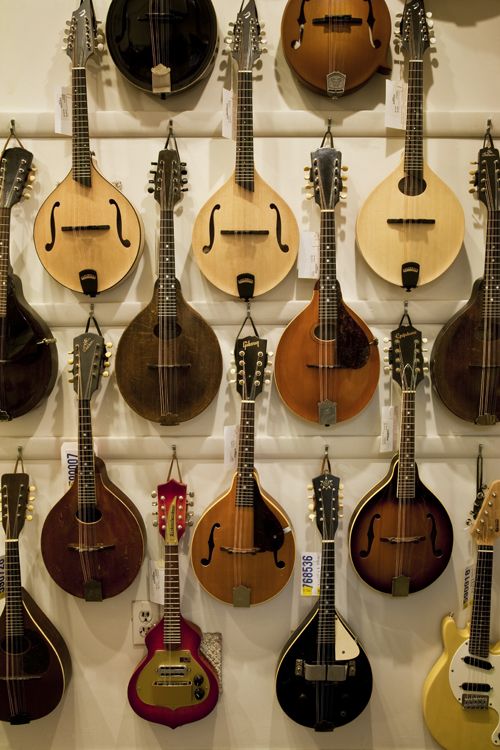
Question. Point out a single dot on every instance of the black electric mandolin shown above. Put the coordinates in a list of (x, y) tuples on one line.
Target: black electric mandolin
[(324, 678)]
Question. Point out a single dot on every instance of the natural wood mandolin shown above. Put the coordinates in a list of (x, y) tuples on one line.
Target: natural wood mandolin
[(335, 47), (461, 692), (465, 361), (93, 539), (400, 535), (410, 229), (327, 360), (168, 362), (245, 238), (88, 236), (324, 679), (175, 683), (243, 546), (28, 353), (35, 666)]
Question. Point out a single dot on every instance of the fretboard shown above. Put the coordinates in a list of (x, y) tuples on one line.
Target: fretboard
[(244, 173), (81, 146), (406, 470), (491, 288), (13, 592), (172, 606), (4, 258), (479, 642), (414, 159), (245, 482), (167, 307), (86, 468), (328, 303), (327, 613)]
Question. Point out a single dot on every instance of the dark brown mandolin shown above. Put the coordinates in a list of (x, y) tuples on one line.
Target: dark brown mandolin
[(93, 539), (465, 361), (168, 362), (28, 353), (335, 46), (400, 534)]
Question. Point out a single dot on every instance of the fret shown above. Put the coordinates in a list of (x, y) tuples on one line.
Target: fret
[(479, 641), (244, 172), (166, 292), (87, 501), (328, 297), (327, 614), (245, 480), (406, 470), (413, 157), (171, 598), (491, 276), (81, 145), (13, 592), (4, 258)]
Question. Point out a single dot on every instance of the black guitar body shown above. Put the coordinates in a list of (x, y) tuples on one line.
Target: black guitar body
[(321, 704)]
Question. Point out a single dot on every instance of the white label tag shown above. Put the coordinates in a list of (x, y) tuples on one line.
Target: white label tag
[(227, 113), (156, 581), (231, 437), (69, 459), (388, 429), (62, 111), (469, 575), (310, 573), (395, 104), (2, 576), (308, 258)]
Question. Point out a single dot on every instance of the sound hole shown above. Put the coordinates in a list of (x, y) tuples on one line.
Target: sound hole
[(16, 644), (487, 330), (410, 185), (325, 331), (89, 514), (170, 331)]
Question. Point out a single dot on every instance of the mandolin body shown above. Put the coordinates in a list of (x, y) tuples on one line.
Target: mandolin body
[(433, 245), (263, 237), (112, 546), (313, 51), (380, 519), (28, 355), (465, 362), (353, 360), (88, 237), (41, 658), (264, 527)]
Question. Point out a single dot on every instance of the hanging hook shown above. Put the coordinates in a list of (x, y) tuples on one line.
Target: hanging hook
[(19, 459), (487, 136), (171, 135), (12, 134), (326, 462), (248, 317), (405, 314), (92, 319), (328, 134), (174, 460), (13, 128)]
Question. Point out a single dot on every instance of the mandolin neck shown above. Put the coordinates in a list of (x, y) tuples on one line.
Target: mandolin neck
[(167, 299), (414, 158), (4, 258), (87, 501), (327, 613), (479, 641), (328, 301), (406, 471), (14, 621), (171, 598), (244, 172), (244, 484), (491, 285), (81, 147)]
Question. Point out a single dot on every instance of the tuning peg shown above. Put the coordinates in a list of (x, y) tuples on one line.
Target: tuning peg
[(105, 374), (432, 40), (70, 361), (341, 515), (429, 14), (31, 176), (27, 192), (310, 506), (343, 196), (387, 369), (270, 355), (29, 517), (71, 380), (425, 340), (472, 190), (312, 516), (425, 368), (32, 488), (155, 523), (309, 487), (341, 486), (189, 523)]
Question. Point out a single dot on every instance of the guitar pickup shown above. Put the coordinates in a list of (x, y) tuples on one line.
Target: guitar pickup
[(325, 672)]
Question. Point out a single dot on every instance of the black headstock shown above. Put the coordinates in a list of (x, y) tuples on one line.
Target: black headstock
[(415, 29), (15, 171), (82, 36), (487, 177), (245, 39), (16, 501), (325, 176), (327, 504), (169, 178), (406, 357), (250, 354), (90, 360)]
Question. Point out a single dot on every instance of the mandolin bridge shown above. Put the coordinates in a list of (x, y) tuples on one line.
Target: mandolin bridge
[(402, 539), (241, 551), (343, 20), (90, 547)]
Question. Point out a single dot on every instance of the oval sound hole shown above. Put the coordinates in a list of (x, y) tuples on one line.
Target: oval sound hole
[(487, 330), (16, 644), (89, 514), (325, 332), (412, 185), (168, 331)]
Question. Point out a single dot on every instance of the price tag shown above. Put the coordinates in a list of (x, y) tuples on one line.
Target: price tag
[(156, 581), (2, 576), (469, 575), (310, 573), (231, 438), (395, 104), (308, 258), (69, 459), (388, 429), (227, 113), (62, 111)]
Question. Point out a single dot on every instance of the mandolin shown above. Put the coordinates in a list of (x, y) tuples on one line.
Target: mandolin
[(327, 360), (168, 362), (243, 547), (335, 47), (461, 692), (35, 665), (410, 229), (400, 535), (245, 238), (28, 353), (465, 361), (175, 683), (324, 679), (93, 539), (87, 235), (162, 46)]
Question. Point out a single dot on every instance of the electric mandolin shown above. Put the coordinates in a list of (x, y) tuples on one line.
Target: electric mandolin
[(35, 665), (93, 539), (88, 236), (411, 228), (243, 546), (327, 360), (162, 46), (400, 535), (245, 237), (324, 678), (175, 683), (335, 47), (465, 361), (168, 362), (461, 692), (28, 353)]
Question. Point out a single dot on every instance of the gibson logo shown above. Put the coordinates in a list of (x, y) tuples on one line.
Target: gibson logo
[(246, 344), (87, 342), (405, 335)]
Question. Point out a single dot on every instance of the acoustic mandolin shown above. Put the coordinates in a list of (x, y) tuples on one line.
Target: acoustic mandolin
[(28, 353), (93, 539), (410, 229), (400, 535), (88, 236), (327, 360), (243, 547), (335, 47), (168, 362), (245, 238), (35, 666), (324, 679)]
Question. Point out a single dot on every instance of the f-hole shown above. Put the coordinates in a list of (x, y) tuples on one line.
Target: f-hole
[(125, 243), (370, 536), (50, 244), (211, 545), (211, 229), (284, 248), (437, 552)]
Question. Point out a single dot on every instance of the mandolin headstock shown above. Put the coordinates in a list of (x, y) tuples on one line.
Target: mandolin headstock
[(415, 29), (17, 503), (325, 176), (327, 506), (83, 38), (486, 527), (406, 357), (168, 178), (487, 177), (244, 38), (16, 176), (251, 360), (90, 360), (172, 501)]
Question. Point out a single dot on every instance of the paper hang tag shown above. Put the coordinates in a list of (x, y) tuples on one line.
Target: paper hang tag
[(2, 576), (62, 111), (69, 459), (388, 429), (227, 113), (308, 258), (395, 104), (310, 573), (231, 437), (156, 581), (469, 576)]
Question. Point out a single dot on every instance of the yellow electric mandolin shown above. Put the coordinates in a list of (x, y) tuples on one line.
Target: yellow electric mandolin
[(411, 227), (461, 694), (245, 238), (88, 236)]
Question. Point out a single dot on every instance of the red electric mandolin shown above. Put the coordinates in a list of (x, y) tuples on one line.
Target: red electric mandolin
[(175, 683)]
